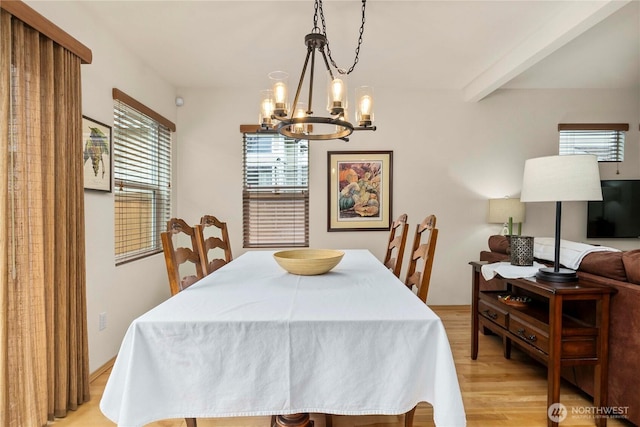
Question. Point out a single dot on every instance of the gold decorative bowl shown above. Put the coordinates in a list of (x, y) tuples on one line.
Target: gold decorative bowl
[(308, 262)]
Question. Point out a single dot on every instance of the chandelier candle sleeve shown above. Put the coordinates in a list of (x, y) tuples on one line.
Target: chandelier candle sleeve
[(267, 106), (279, 80), (337, 95), (301, 112), (364, 111), (344, 117)]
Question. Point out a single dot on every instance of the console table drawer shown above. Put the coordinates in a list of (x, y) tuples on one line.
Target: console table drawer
[(530, 334), (493, 313), (579, 347)]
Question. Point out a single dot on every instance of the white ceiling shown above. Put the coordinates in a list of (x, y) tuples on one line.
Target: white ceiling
[(475, 46)]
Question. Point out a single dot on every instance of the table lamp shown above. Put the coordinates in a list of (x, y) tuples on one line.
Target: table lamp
[(560, 179), (506, 211)]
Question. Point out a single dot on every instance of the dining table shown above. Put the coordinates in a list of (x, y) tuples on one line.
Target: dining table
[(251, 339)]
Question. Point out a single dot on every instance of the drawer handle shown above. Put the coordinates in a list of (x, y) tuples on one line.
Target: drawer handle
[(531, 337), (489, 314)]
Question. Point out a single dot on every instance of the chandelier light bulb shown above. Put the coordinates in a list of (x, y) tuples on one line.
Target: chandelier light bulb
[(279, 80), (365, 106), (344, 117), (281, 94), (337, 92), (364, 97), (267, 106), (301, 112)]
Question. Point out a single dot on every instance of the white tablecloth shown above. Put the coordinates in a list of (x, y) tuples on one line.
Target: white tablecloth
[(251, 339)]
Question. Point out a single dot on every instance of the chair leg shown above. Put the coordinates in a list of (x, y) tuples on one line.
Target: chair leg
[(328, 420), (273, 421), (408, 417), (191, 422)]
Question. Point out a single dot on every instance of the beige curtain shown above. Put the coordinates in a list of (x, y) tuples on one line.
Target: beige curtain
[(43, 337)]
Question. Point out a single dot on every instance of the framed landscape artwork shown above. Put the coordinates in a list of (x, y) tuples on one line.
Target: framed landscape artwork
[(359, 190), (96, 142)]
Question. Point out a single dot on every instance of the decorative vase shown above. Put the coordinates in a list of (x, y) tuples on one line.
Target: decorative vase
[(521, 250)]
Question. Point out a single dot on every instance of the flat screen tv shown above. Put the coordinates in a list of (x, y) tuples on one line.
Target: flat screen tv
[(618, 214)]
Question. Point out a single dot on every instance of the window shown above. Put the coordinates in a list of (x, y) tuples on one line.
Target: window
[(142, 171), (606, 141), (275, 192)]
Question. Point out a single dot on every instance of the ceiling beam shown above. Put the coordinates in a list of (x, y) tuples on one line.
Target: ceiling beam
[(557, 32)]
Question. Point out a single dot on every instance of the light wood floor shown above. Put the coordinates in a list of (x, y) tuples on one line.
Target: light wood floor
[(496, 392)]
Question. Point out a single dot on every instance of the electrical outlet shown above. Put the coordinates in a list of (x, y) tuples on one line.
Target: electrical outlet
[(102, 321)]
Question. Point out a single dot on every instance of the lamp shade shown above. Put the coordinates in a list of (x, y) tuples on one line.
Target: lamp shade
[(561, 179), (500, 210)]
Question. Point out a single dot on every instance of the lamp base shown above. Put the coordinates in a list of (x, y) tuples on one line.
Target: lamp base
[(563, 275)]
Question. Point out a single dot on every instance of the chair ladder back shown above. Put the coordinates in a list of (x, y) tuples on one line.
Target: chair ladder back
[(175, 257), (423, 250), (396, 244), (213, 242)]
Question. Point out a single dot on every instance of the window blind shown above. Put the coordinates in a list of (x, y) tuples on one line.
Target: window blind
[(606, 141), (142, 172), (275, 194)]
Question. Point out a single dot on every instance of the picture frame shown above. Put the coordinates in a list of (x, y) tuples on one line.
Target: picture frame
[(359, 190), (97, 155)]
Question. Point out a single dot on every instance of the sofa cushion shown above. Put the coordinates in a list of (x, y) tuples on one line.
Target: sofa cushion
[(499, 244), (631, 261), (606, 264), (491, 256)]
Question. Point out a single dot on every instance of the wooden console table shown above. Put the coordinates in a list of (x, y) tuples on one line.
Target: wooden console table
[(563, 324)]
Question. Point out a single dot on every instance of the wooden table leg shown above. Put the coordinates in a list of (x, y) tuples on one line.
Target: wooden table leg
[(474, 313), (601, 387), (555, 349), (294, 420), (506, 347)]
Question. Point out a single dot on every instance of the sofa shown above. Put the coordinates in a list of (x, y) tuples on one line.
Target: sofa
[(620, 270)]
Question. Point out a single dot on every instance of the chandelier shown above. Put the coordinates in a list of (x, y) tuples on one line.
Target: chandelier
[(297, 120)]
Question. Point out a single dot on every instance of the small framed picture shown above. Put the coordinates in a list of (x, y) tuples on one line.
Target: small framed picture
[(359, 190), (96, 142)]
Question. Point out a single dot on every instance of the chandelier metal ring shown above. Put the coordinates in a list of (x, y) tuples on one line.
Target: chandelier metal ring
[(287, 128)]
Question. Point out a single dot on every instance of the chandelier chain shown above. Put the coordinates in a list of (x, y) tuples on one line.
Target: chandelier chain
[(318, 7)]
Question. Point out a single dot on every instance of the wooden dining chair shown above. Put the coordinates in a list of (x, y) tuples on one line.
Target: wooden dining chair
[(396, 244), (419, 271), (176, 256), (421, 263), (219, 242), (392, 260), (418, 275)]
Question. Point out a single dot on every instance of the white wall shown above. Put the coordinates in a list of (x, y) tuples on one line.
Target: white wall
[(126, 291), (449, 158)]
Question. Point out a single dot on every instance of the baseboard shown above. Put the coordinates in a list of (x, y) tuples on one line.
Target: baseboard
[(102, 369)]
